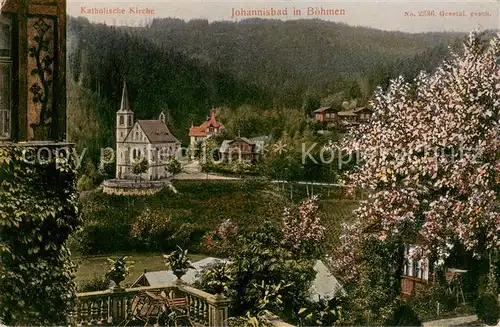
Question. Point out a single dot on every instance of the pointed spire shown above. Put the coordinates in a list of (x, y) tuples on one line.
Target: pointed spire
[(125, 106)]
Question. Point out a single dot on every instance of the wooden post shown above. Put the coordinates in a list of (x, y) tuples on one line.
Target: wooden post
[(218, 311)]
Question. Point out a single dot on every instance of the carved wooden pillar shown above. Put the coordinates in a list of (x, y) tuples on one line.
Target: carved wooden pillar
[(38, 110)]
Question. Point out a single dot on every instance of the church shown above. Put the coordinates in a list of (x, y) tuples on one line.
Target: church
[(142, 139)]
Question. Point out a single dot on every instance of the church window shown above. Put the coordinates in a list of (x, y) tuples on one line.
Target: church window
[(122, 120), (129, 121)]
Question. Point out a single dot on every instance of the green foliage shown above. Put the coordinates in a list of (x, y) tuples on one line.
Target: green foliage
[(322, 313), (150, 229), (442, 290), (90, 126), (196, 209), (140, 167), (487, 309), (118, 269), (260, 257), (403, 315), (97, 283), (38, 212), (173, 166), (215, 279), (261, 319), (178, 261), (107, 163), (301, 158), (84, 183), (378, 285), (262, 276), (235, 168), (120, 223), (96, 237)]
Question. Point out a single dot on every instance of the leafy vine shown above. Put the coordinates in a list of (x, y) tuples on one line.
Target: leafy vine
[(38, 211), (39, 50)]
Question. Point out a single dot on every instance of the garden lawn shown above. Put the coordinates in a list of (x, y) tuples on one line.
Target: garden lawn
[(92, 267), (198, 208)]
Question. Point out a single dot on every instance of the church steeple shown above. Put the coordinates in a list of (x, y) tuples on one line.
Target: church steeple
[(125, 106), (124, 117)]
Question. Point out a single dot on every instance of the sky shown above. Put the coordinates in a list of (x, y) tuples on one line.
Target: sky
[(405, 16)]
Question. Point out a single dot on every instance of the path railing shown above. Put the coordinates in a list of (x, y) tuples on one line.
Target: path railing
[(110, 307)]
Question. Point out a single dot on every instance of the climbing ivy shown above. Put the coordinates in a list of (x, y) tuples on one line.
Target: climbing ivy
[(38, 211)]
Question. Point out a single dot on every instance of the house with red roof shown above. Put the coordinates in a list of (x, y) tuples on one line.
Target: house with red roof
[(207, 129)]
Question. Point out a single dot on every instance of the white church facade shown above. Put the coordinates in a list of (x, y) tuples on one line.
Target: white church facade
[(142, 139)]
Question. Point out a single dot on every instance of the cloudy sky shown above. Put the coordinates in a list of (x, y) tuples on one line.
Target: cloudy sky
[(405, 16)]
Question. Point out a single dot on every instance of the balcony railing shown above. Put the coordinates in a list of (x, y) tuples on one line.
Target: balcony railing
[(111, 307)]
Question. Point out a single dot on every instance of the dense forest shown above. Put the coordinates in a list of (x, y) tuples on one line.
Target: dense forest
[(186, 68)]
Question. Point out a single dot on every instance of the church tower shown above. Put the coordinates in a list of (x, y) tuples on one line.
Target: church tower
[(124, 117), (124, 123)]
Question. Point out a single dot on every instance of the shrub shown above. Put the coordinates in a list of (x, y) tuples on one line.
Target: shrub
[(97, 283), (403, 315), (220, 240), (89, 236), (173, 166), (150, 229), (303, 232), (487, 309), (85, 183), (99, 237), (215, 278), (322, 313)]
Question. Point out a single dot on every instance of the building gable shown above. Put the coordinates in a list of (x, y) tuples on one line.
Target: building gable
[(136, 135)]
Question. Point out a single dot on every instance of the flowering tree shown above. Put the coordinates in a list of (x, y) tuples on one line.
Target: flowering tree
[(304, 232), (430, 156), (220, 239)]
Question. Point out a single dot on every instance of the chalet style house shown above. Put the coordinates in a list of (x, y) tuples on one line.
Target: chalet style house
[(241, 149), (342, 119), (207, 129), (325, 115), (147, 139)]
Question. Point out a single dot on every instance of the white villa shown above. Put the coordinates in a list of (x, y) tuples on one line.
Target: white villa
[(149, 139)]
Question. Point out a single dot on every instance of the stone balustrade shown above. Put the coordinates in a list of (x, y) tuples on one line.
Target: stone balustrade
[(110, 307)]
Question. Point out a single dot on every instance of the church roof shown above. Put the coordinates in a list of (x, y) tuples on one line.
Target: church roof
[(125, 106), (210, 122), (157, 132)]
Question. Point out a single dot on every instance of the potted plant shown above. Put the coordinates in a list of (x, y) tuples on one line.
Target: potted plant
[(118, 270), (179, 262)]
